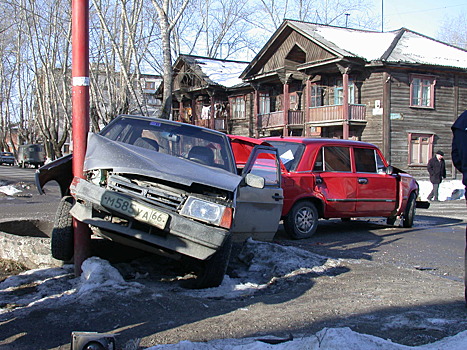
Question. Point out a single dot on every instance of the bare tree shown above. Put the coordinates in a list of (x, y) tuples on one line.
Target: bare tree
[(169, 13), (454, 30)]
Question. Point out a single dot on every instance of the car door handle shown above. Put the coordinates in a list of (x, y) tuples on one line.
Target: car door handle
[(362, 180), (277, 197)]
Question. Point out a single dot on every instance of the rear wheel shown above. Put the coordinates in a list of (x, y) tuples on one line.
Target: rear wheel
[(409, 213), (211, 272), (302, 221), (62, 233)]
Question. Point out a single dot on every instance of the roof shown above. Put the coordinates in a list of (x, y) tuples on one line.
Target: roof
[(319, 141), (399, 46), (216, 71)]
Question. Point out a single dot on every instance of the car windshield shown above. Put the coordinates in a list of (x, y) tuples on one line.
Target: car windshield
[(177, 139), (289, 152)]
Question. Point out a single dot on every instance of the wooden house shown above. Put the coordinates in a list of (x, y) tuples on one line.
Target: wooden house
[(400, 90), (201, 91)]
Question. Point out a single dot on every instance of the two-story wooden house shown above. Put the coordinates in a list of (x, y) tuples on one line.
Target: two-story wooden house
[(399, 90)]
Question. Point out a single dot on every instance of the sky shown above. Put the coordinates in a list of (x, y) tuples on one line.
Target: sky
[(422, 16)]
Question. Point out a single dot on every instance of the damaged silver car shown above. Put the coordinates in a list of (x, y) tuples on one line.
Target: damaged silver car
[(167, 187)]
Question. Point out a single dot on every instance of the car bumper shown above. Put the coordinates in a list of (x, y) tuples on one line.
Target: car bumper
[(181, 235)]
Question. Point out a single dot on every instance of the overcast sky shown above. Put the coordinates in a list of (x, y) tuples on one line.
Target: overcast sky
[(422, 16)]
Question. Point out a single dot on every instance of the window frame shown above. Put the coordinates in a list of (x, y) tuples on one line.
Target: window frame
[(235, 102), (429, 152), (420, 98)]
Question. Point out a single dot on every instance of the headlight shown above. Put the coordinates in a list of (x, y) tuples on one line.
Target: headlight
[(203, 210)]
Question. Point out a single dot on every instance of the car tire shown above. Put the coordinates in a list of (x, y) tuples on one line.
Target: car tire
[(211, 272), (409, 213), (302, 221), (62, 246)]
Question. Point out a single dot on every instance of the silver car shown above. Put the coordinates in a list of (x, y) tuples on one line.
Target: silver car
[(171, 188)]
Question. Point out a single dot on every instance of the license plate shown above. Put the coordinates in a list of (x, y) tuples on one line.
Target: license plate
[(134, 209)]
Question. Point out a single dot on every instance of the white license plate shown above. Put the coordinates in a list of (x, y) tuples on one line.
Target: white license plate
[(134, 209)]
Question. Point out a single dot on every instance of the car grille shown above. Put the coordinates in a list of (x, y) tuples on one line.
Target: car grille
[(155, 194)]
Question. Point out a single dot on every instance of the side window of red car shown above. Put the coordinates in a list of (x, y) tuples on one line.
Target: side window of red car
[(365, 160), (337, 159)]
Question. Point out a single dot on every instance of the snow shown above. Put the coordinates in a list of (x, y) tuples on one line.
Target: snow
[(225, 73), (9, 190)]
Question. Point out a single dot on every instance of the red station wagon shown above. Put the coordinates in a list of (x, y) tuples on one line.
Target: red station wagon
[(333, 178)]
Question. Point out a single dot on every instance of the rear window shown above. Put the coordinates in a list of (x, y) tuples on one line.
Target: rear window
[(290, 153)]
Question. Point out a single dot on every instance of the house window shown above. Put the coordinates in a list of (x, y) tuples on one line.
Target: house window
[(339, 92), (150, 85), (316, 95), (420, 148), (264, 103), (422, 91), (238, 107)]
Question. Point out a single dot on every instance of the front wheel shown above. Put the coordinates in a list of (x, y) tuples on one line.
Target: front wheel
[(409, 213), (302, 221), (211, 272), (62, 246)]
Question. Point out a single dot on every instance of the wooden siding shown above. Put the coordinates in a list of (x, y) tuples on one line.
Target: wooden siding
[(372, 91), (313, 52)]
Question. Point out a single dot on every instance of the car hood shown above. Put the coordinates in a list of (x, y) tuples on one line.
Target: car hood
[(103, 153)]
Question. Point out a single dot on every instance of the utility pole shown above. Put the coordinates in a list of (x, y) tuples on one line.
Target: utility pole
[(346, 18), (382, 16), (80, 115)]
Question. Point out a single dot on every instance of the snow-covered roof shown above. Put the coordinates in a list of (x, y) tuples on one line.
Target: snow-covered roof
[(400, 46), (221, 72)]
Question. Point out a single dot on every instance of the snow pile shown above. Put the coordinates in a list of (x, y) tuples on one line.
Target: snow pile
[(448, 190), (326, 339), (9, 190), (262, 265)]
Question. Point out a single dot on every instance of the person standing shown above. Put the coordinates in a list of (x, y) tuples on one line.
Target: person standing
[(459, 158), (437, 170)]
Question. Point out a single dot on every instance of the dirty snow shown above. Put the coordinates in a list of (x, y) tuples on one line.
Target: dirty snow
[(267, 264), (9, 190)]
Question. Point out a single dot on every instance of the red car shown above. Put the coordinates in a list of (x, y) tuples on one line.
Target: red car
[(333, 178)]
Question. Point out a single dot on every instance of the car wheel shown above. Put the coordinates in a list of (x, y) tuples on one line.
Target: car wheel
[(302, 221), (62, 246), (211, 272), (409, 213)]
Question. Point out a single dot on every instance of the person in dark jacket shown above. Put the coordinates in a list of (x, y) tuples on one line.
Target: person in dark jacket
[(459, 158), (437, 170)]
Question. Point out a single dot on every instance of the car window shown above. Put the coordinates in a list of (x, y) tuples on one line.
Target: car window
[(335, 159), (290, 153), (365, 160), (368, 161), (179, 140), (265, 164)]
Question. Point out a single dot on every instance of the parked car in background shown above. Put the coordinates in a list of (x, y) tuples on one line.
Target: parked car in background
[(169, 188), (7, 158), (31, 155), (334, 178)]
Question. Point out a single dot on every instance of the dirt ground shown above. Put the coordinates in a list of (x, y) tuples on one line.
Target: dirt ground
[(408, 306)]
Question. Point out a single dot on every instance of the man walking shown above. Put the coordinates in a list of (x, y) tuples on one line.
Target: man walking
[(437, 170), (459, 158)]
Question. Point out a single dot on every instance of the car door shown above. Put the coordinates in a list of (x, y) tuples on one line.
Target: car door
[(376, 190), (258, 208), (336, 181)]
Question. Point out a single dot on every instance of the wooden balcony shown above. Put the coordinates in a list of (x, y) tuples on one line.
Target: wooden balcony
[(276, 119), (335, 114)]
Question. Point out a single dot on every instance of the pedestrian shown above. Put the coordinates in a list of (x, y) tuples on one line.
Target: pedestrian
[(437, 170), (459, 158)]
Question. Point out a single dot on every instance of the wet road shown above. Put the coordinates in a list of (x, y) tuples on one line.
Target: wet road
[(435, 244)]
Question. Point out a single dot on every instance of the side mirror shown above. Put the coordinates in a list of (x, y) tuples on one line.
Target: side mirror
[(390, 170), (255, 181)]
